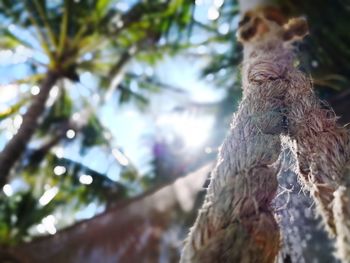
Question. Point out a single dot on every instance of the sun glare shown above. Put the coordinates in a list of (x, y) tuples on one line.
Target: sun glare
[(48, 196), (193, 130)]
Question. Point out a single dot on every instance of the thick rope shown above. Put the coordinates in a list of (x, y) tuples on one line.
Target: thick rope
[(235, 223), (322, 149)]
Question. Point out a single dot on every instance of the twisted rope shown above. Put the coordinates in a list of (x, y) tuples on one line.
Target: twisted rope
[(322, 149), (236, 223)]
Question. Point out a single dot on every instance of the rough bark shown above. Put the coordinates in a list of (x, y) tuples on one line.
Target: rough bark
[(18, 143)]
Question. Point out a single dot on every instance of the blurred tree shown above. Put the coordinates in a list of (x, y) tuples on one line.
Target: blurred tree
[(133, 230), (67, 39), (69, 30), (224, 54)]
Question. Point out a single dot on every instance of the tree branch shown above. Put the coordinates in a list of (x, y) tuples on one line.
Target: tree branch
[(114, 233), (18, 143)]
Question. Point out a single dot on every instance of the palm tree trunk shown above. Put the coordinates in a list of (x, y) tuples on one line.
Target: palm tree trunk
[(18, 143)]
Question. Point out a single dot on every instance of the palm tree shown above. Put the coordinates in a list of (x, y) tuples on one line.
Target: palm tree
[(68, 39), (69, 31)]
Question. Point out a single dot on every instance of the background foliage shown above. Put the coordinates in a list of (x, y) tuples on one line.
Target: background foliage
[(98, 47)]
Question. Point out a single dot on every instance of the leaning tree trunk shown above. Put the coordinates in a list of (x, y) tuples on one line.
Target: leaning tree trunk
[(18, 143), (131, 231)]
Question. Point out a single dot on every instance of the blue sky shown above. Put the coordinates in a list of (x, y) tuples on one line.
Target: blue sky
[(132, 128), (127, 123)]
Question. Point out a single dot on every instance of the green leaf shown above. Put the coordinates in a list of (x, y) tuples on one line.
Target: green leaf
[(59, 112), (63, 28), (13, 109), (9, 40), (92, 134), (101, 7)]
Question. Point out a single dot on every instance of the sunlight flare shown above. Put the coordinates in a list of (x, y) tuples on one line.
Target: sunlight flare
[(193, 130)]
